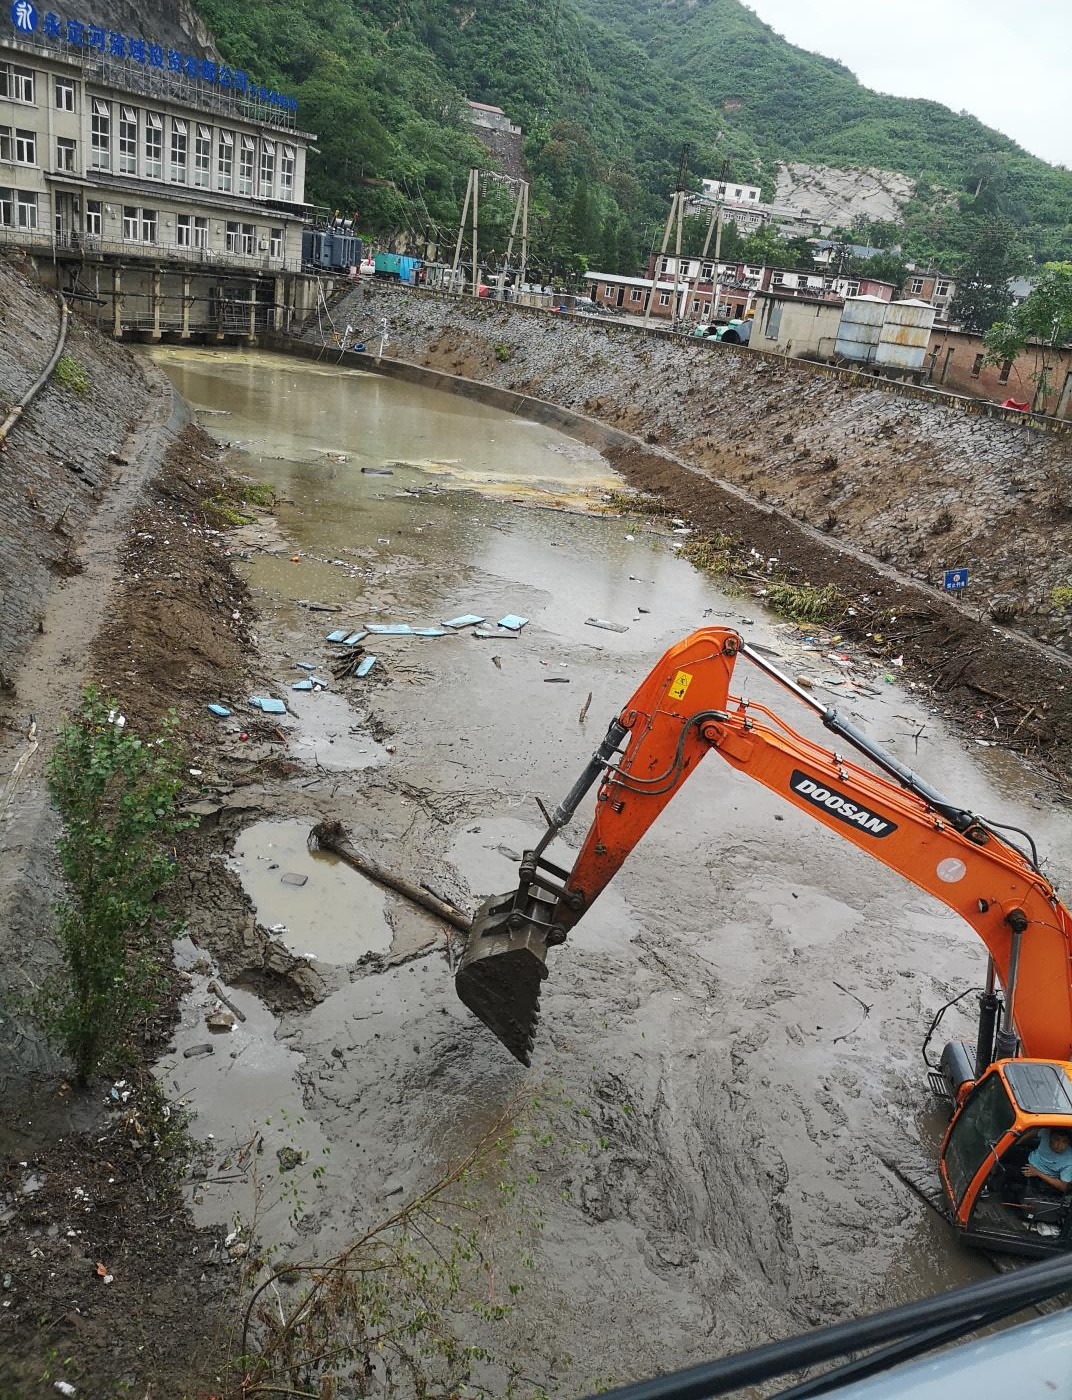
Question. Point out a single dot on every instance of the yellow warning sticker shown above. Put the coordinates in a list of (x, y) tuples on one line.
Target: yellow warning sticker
[(681, 683)]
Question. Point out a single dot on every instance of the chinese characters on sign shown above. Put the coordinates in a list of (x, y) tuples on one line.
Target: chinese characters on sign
[(955, 580), (106, 41)]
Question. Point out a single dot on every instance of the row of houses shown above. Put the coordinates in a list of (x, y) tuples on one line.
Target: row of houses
[(705, 292)]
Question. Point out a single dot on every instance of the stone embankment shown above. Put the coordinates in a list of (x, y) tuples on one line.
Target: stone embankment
[(61, 456)]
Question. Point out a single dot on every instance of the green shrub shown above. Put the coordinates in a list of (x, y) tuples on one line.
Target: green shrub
[(117, 796)]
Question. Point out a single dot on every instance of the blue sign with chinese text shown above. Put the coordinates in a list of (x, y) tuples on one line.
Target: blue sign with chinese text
[(24, 16), (106, 41), (955, 580)]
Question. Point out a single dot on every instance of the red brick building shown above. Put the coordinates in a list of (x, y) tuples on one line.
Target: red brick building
[(955, 362)]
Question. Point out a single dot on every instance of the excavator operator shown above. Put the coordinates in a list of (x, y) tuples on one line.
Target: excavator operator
[(1051, 1161)]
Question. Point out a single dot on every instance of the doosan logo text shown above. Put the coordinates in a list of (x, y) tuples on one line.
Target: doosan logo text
[(840, 806)]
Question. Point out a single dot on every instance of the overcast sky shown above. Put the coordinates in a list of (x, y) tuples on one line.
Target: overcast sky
[(1008, 64)]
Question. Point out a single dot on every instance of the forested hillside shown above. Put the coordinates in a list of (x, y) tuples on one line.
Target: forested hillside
[(608, 91)]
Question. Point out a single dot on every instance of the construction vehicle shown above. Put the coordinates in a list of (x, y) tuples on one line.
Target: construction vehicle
[(1003, 1091)]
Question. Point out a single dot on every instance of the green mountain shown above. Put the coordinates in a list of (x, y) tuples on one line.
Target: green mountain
[(608, 91)]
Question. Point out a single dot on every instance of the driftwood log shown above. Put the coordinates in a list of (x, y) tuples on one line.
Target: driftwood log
[(331, 836)]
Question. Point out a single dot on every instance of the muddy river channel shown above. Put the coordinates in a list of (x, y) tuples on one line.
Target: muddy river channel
[(730, 1044)]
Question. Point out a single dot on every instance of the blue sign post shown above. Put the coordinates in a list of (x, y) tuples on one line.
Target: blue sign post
[(955, 580)]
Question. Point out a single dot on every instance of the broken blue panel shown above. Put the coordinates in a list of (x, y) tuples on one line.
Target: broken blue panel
[(302, 685), (353, 639), (365, 667), (512, 622), (316, 680), (429, 632), (468, 620), (391, 629), (221, 710), (337, 635), (305, 665), (268, 705), (485, 635)]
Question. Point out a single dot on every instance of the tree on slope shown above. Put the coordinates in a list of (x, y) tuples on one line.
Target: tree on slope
[(983, 296), (1041, 324)]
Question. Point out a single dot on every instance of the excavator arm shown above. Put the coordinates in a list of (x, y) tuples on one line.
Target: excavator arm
[(682, 711)]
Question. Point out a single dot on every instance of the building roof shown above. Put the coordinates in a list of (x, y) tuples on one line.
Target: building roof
[(813, 296), (632, 281), (485, 107)]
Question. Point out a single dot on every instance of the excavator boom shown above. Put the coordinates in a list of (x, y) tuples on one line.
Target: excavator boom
[(682, 711)]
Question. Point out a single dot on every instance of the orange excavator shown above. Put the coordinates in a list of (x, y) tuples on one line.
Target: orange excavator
[(1014, 1084)]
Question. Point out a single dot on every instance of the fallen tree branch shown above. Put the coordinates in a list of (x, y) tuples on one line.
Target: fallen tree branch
[(331, 836)]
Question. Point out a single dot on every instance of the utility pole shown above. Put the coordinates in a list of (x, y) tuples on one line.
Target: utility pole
[(476, 240), (682, 180), (520, 205), (525, 234), (662, 254), (461, 231)]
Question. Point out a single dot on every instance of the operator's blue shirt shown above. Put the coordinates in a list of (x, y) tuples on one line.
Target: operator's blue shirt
[(1058, 1164)]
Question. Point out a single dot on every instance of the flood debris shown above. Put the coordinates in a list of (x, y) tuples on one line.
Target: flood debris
[(352, 639), (192, 1052), (391, 629), (376, 471), (220, 711), (607, 626), (332, 836), (218, 992), (466, 620), (268, 705), (585, 707), (365, 667), (512, 622), (219, 1020), (293, 878)]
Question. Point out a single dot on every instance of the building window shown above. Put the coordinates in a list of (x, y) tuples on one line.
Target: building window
[(94, 217), (853, 289), (149, 218), (63, 92), (664, 298), (225, 162), (777, 279), (26, 209), (128, 141), (203, 156), (245, 166), (18, 147), (286, 173), (708, 271), (200, 233), (267, 169), (101, 136), (1006, 370), (276, 243), (977, 366), (178, 150), (7, 207), (65, 154), (917, 286), (131, 224), (16, 84), (635, 294), (154, 146), (183, 230), (232, 238), (249, 240), (942, 289)]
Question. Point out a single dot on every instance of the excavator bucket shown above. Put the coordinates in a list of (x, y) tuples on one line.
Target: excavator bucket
[(500, 972)]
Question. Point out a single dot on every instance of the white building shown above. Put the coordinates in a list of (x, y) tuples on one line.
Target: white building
[(731, 192), (124, 153)]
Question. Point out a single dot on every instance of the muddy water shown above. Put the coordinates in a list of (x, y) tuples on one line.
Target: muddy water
[(737, 1022)]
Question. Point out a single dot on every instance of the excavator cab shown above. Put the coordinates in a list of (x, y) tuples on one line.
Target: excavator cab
[(986, 1147)]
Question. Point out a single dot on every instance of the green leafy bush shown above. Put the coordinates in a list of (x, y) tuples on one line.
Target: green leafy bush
[(117, 796)]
